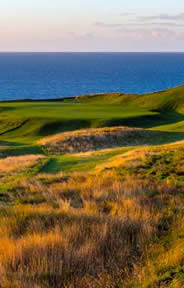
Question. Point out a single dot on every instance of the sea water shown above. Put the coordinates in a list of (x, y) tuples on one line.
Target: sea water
[(57, 75)]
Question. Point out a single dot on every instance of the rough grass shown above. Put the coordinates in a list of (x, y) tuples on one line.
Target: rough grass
[(119, 225), (97, 139), (104, 229), (90, 230), (160, 162), (11, 164)]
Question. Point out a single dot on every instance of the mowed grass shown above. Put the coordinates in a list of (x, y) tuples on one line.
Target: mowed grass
[(46, 118), (81, 162), (29, 120), (23, 123)]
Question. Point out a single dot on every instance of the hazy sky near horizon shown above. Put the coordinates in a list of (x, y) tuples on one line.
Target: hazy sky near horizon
[(91, 25)]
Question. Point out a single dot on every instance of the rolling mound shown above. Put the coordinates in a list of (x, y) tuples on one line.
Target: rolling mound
[(167, 100), (23, 123), (95, 139)]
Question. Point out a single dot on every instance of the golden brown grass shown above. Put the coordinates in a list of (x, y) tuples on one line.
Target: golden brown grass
[(94, 230), (135, 157), (89, 233), (95, 139), (10, 164)]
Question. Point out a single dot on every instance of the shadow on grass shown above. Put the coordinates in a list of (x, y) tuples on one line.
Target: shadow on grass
[(54, 166), (71, 163), (10, 144), (18, 150), (147, 121), (53, 127)]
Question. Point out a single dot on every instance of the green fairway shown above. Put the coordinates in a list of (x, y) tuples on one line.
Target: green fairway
[(22, 124), (81, 162), (40, 119)]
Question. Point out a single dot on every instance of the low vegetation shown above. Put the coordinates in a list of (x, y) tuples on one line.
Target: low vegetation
[(91, 230), (75, 214), (98, 139), (14, 164)]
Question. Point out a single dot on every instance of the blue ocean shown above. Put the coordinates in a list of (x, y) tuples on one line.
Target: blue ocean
[(57, 75)]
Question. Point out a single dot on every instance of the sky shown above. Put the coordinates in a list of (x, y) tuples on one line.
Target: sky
[(92, 25)]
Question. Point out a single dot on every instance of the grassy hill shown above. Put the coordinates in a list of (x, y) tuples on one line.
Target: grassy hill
[(92, 191), (27, 121)]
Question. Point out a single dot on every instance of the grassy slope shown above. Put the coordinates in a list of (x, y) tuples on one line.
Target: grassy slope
[(81, 162), (131, 207), (23, 123), (144, 187)]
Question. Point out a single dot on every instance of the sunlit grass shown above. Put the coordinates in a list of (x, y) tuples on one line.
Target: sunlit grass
[(111, 218)]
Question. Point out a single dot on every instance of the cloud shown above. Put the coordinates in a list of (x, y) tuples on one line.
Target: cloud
[(108, 25), (80, 36), (177, 17), (127, 14), (136, 31), (156, 29), (149, 32), (136, 24), (162, 20)]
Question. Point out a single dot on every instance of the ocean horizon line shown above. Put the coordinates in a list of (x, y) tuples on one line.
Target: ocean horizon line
[(125, 52)]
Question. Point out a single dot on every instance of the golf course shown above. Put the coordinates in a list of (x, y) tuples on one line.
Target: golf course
[(92, 191)]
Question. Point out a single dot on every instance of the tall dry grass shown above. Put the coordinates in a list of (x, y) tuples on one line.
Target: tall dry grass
[(89, 231), (19, 163)]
